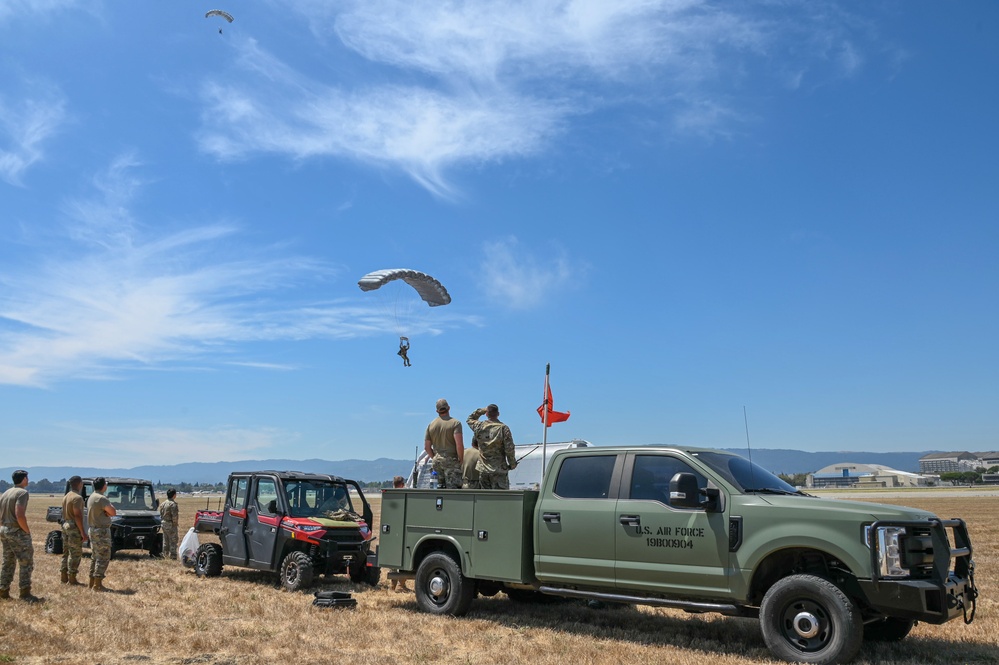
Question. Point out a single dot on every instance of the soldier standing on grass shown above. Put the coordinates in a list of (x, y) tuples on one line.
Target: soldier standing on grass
[(99, 514), (73, 533), (16, 538), (445, 444), (497, 456), (169, 513)]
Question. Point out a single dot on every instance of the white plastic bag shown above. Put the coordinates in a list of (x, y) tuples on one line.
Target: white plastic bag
[(188, 548)]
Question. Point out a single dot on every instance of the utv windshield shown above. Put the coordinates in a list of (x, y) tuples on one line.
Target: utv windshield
[(128, 496), (317, 498), (745, 475)]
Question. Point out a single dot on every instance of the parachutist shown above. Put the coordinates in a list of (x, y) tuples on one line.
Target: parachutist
[(220, 31), (404, 351)]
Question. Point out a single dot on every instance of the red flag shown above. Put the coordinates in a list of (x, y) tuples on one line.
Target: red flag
[(553, 416)]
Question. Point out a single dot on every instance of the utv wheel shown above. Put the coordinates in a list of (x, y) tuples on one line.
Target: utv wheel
[(806, 619), (156, 547), (440, 586), (53, 542), (366, 574), (296, 571), (208, 560), (888, 630)]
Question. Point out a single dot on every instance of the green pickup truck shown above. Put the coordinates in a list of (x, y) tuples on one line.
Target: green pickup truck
[(689, 528)]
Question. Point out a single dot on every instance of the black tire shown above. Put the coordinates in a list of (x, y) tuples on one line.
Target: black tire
[(371, 576), (440, 586), (208, 560), (53, 542), (806, 619), (156, 547), (890, 629), (296, 571)]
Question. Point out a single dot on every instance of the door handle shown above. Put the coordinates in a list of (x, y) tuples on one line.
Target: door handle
[(553, 518), (631, 520)]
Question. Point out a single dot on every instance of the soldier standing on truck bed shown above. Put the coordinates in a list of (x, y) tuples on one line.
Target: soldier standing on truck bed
[(497, 455), (16, 538), (469, 474), (169, 516), (73, 533), (99, 514), (445, 444)]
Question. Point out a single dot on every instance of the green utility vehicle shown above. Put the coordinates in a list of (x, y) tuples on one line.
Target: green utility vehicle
[(690, 528)]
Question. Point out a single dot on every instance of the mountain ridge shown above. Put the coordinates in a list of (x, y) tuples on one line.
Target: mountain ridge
[(777, 460)]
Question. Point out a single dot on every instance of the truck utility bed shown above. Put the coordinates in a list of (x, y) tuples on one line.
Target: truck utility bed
[(505, 517)]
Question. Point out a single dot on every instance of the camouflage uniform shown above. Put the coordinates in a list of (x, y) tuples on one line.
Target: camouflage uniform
[(17, 547), (72, 539), (169, 513), (99, 523), (440, 433), (496, 452), (469, 474)]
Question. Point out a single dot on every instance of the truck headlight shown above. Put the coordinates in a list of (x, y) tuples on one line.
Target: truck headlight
[(889, 552), (157, 518), (310, 528), (117, 518)]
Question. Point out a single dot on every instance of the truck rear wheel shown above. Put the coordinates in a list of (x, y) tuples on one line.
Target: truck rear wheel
[(53, 542), (890, 629), (208, 560), (296, 571), (806, 619), (440, 586)]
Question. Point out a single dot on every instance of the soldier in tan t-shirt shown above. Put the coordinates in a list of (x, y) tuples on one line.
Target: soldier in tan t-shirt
[(73, 533), (445, 444), (99, 514)]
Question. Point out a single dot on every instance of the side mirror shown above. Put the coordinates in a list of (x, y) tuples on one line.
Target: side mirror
[(272, 507), (156, 503), (683, 491)]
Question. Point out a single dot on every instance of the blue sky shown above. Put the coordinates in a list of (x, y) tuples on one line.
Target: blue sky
[(686, 207)]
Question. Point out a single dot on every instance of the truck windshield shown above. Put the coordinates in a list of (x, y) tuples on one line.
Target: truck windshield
[(317, 498), (745, 475), (130, 496)]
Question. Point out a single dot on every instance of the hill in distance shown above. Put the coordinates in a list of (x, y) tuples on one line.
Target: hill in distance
[(775, 460)]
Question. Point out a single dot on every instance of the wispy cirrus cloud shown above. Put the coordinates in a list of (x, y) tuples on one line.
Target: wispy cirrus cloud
[(521, 280), (110, 293), (25, 125), (493, 81)]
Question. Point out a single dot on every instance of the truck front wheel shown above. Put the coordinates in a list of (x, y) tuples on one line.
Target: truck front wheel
[(296, 571), (440, 586), (806, 619), (53, 542), (208, 560)]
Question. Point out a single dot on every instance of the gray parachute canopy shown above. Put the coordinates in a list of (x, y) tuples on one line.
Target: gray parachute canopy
[(432, 291), (218, 12)]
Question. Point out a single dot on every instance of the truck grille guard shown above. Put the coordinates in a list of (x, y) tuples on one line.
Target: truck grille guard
[(943, 554)]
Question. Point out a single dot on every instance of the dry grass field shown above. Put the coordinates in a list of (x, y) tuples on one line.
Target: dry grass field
[(162, 613)]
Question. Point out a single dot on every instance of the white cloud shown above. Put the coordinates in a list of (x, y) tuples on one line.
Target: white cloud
[(119, 296), (494, 81), (25, 125), (521, 280)]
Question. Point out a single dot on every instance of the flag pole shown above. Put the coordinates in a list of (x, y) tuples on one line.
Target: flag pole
[(544, 437)]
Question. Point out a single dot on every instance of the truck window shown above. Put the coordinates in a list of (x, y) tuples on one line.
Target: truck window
[(652, 473), (585, 477), (266, 492), (237, 493)]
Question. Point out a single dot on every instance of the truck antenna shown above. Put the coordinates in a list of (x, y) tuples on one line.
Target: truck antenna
[(749, 448)]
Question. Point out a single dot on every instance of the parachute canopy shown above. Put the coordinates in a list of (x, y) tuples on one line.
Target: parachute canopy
[(430, 290), (218, 12)]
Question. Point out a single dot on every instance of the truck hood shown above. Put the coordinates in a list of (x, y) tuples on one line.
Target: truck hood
[(862, 509)]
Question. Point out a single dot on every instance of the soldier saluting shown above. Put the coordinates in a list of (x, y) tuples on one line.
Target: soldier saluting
[(497, 454)]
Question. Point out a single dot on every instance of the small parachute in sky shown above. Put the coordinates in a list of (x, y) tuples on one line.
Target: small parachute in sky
[(218, 12), (430, 290)]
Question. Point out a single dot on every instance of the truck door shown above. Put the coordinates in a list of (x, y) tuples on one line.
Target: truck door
[(663, 548), (576, 522), (262, 524), (234, 522)]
